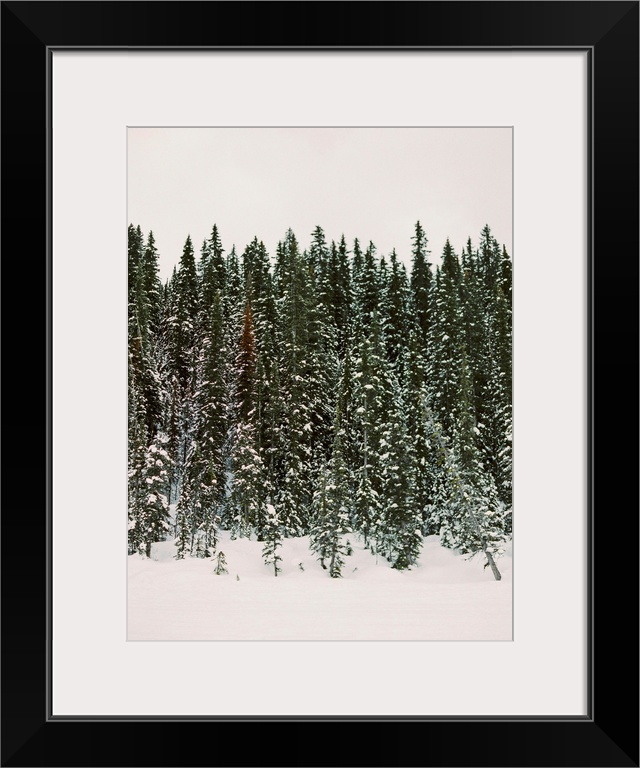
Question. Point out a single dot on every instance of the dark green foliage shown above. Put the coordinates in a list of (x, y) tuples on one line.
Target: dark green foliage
[(401, 535), (367, 291), (421, 283), (247, 497), (447, 342), (221, 564), (186, 303), (326, 393), (396, 312), (332, 511), (272, 540)]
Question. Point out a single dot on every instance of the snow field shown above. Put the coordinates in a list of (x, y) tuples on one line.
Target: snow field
[(447, 597)]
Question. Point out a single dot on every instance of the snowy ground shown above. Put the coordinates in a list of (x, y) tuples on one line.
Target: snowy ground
[(447, 597)]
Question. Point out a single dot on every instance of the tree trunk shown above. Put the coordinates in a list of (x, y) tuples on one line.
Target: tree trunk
[(491, 561)]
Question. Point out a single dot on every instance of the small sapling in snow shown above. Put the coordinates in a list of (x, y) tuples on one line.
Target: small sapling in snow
[(221, 565)]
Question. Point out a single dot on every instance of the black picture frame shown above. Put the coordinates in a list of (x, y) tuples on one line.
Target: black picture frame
[(608, 735)]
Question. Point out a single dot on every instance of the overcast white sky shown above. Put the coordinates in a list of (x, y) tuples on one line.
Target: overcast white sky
[(369, 183)]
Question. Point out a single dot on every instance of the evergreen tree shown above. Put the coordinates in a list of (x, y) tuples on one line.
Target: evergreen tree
[(370, 403), (489, 265), (135, 246), (149, 291), (153, 518), (173, 422), (341, 394), (182, 353), (474, 320), (421, 282), (268, 417), (304, 414), (186, 311), (420, 429), (367, 291), (471, 517), (212, 270), (318, 259), (221, 564), (356, 263), (401, 535), (247, 502), (446, 342), (342, 294), (205, 467), (246, 368), (137, 436), (144, 307), (331, 511), (247, 499), (184, 528), (395, 310), (272, 540)]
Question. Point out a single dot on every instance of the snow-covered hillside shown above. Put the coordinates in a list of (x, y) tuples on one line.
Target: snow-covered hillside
[(446, 597)]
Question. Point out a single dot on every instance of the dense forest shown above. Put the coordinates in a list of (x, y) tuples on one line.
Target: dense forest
[(326, 392)]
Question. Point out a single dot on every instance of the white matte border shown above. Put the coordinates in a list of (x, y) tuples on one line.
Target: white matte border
[(95, 96)]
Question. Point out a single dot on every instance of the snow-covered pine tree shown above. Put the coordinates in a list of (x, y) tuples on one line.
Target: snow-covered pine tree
[(183, 323), (268, 406), (153, 520), (371, 393), (247, 499), (395, 312), (324, 315), (172, 427), (332, 510), (420, 430), (135, 244), (400, 535), (490, 266), (356, 265), (446, 342), (143, 310), (474, 319), (268, 420), (189, 506), (318, 259), (212, 270), (144, 390), (471, 516), (300, 386), (181, 357), (334, 293), (203, 486), (245, 368), (493, 435), (272, 539), (421, 283), (234, 297), (322, 380), (321, 532), (487, 316), (211, 425), (183, 526), (367, 291), (220, 564), (137, 437), (169, 389), (148, 291)]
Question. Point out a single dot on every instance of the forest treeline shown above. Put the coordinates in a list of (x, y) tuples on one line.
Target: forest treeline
[(325, 391)]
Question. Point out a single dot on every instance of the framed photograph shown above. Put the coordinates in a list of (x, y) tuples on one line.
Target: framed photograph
[(477, 620), (319, 408)]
